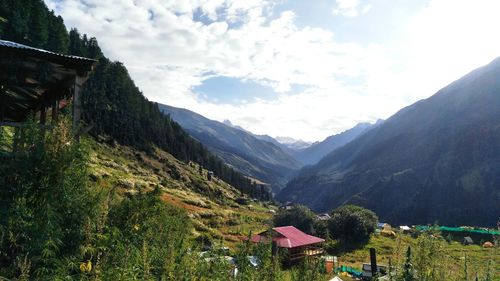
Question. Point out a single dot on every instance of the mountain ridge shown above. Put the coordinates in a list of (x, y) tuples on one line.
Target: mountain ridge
[(314, 153)]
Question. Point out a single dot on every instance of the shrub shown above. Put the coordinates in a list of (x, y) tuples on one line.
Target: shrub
[(299, 216), (352, 224)]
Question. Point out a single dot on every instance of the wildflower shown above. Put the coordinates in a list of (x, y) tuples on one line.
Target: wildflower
[(86, 266)]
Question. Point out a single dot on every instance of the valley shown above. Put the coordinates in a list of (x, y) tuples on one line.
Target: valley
[(101, 178)]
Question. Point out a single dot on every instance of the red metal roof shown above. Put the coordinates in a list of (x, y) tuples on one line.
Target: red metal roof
[(288, 237)]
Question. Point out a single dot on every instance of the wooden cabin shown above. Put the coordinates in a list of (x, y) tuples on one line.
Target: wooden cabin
[(297, 243)]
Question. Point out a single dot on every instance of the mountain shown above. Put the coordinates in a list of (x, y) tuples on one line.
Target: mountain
[(240, 149), (286, 143), (228, 123), (435, 160), (309, 153), (293, 144), (290, 145), (312, 154)]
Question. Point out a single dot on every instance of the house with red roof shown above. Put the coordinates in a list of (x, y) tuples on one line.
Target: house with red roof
[(297, 243)]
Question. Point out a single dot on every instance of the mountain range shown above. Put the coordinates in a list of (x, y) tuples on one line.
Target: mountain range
[(269, 160), (437, 160)]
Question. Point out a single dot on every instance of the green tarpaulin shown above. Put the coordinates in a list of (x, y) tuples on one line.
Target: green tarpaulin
[(460, 229)]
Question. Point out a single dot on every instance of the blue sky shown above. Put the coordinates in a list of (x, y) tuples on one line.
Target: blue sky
[(304, 69)]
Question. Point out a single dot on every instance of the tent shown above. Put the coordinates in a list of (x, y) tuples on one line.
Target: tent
[(336, 278), (488, 245), (404, 228), (388, 233), (467, 241), (383, 225)]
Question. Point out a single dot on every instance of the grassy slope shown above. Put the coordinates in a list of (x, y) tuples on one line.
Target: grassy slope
[(210, 204)]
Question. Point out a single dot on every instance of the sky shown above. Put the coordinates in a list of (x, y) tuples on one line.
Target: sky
[(305, 69)]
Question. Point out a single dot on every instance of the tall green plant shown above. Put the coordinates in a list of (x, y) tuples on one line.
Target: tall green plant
[(408, 273), (308, 269), (429, 258), (45, 201)]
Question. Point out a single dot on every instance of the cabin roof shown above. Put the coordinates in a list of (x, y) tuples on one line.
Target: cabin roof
[(288, 237), (293, 237), (9, 45)]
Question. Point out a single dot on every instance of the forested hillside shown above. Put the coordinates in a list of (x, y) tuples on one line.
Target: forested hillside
[(113, 106)]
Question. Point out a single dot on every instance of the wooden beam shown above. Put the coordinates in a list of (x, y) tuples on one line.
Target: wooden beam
[(43, 115), (77, 104)]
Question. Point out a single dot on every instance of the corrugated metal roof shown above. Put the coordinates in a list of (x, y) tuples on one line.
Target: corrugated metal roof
[(295, 238), (14, 45), (289, 237)]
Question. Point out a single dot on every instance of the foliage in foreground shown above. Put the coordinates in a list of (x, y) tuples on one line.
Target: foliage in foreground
[(44, 201)]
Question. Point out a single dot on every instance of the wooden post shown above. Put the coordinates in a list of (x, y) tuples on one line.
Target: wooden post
[(15, 143), (55, 111), (2, 106), (77, 104), (43, 115), (373, 262)]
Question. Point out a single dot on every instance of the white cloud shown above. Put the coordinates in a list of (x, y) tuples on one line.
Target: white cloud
[(451, 38), (168, 53), (351, 8)]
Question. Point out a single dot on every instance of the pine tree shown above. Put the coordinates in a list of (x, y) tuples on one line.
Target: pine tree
[(93, 49), (58, 39), (38, 25), (76, 48)]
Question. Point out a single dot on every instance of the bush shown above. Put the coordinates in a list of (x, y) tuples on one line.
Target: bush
[(148, 239), (299, 216), (352, 224)]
